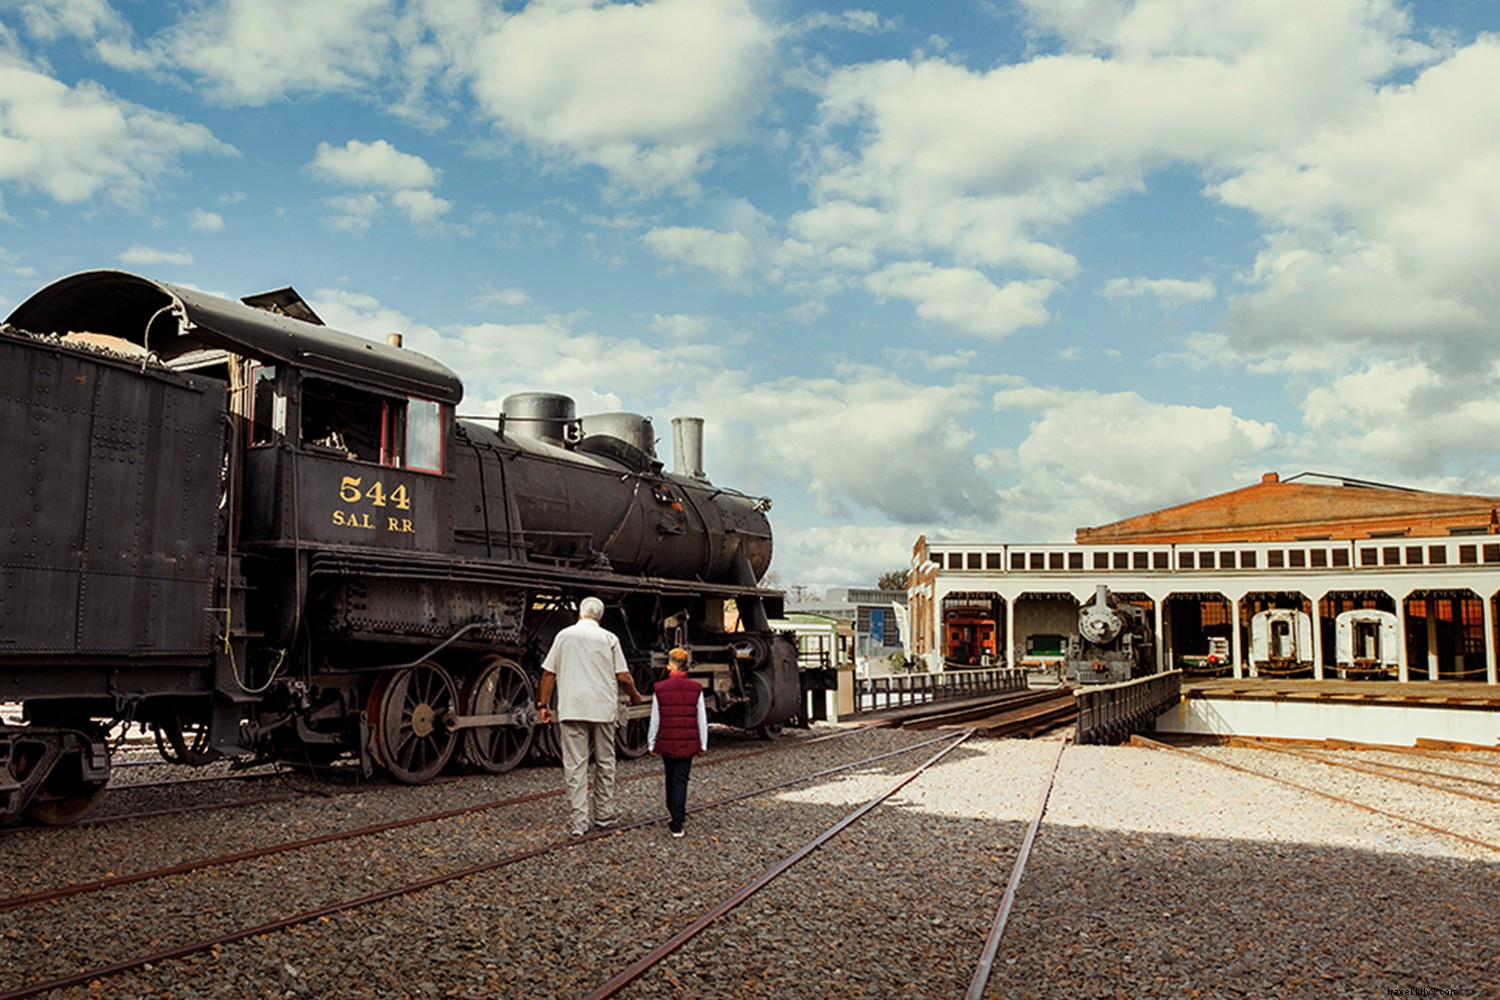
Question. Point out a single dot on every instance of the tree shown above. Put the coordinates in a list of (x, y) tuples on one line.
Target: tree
[(894, 580)]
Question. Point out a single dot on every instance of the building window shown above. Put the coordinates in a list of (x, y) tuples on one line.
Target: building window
[(992, 560), (1319, 558), (1468, 554), (1437, 555), (1186, 560), (1391, 555), (1054, 560), (1018, 560), (1491, 552), (1101, 560), (1369, 557), (1275, 559), (1159, 561), (1122, 560), (1075, 560), (1341, 558), (1226, 560), (1297, 559), (1247, 559)]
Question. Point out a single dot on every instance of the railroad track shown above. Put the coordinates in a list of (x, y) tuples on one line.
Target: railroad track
[(537, 848), (1025, 713), (1321, 793)]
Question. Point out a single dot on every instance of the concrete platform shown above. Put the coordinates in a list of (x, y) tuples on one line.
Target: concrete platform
[(1364, 711)]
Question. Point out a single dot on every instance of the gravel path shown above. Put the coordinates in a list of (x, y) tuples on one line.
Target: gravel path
[(1155, 874)]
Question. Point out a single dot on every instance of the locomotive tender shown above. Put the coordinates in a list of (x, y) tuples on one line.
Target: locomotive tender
[(264, 538), (1113, 642)]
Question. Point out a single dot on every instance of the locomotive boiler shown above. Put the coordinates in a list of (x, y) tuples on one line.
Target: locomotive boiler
[(261, 537), (1113, 642)]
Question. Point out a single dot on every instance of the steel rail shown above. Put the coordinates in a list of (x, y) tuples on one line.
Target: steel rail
[(643, 964), (1007, 901), (182, 951), (1452, 756), (1377, 767), (79, 888), (1444, 831)]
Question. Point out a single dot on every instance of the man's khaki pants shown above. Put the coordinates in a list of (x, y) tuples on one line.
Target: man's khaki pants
[(588, 751)]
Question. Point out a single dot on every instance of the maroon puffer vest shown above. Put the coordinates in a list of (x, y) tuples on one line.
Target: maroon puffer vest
[(677, 707)]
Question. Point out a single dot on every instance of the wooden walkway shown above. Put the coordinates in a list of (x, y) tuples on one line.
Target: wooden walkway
[(1436, 694)]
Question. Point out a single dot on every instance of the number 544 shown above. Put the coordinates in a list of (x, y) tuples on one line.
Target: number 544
[(351, 491)]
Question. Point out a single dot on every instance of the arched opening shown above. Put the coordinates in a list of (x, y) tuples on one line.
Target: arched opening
[(1445, 635), (1198, 633)]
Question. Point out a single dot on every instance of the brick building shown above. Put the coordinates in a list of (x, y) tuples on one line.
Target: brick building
[(1340, 564), (1309, 506)]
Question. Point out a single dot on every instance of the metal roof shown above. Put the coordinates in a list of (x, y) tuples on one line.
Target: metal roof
[(171, 320)]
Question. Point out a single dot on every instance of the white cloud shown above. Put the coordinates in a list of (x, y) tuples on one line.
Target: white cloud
[(375, 164), (388, 175), (421, 208), (964, 299), (74, 143), (1169, 291), (1090, 457), (863, 441), (727, 254), (1385, 231), (253, 51), (144, 256), (352, 213), (647, 92), (845, 555), (205, 221)]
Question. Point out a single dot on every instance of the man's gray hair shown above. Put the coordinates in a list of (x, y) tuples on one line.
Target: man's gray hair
[(591, 607)]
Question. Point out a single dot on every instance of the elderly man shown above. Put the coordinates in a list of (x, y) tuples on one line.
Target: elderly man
[(588, 668)]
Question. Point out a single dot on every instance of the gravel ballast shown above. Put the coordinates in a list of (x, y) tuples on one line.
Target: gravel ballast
[(1155, 874)]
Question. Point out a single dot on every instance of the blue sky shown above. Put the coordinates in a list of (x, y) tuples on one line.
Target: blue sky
[(974, 269)]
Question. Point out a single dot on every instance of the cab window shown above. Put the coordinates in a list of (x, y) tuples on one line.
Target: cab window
[(395, 431)]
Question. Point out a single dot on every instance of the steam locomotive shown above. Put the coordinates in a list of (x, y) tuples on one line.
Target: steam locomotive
[(1113, 642), (263, 538)]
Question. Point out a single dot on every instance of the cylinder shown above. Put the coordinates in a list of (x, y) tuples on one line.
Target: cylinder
[(687, 447), (540, 416), (632, 428)]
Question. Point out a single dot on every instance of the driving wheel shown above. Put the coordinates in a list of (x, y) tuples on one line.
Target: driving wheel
[(497, 686), (409, 714)]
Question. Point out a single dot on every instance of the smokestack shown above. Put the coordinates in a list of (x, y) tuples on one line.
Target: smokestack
[(687, 447), (394, 339)]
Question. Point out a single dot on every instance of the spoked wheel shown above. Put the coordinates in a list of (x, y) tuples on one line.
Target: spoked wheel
[(409, 711), (498, 686), (630, 735), (66, 794), (182, 742)]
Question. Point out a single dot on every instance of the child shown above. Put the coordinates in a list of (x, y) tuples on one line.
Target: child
[(679, 731)]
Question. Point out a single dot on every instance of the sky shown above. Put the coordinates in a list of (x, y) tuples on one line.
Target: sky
[(976, 269)]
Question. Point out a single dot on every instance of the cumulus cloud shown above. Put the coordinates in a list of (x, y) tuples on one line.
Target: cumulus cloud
[(388, 175), (254, 51), (1090, 457), (647, 92), (74, 143), (963, 298), (1168, 291), (205, 221), (865, 442), (726, 254), (375, 164), (139, 255), (1384, 230)]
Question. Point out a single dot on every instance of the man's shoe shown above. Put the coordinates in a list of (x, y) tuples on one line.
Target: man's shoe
[(606, 824), (676, 833), (577, 833)]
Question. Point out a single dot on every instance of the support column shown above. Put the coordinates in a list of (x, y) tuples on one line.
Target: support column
[(1236, 647), (1161, 637), (1489, 641), (1010, 631), (1432, 644), (1317, 629), (1403, 668)]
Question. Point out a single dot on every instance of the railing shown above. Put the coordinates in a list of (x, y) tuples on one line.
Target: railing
[(1109, 713), (1324, 556), (897, 690)]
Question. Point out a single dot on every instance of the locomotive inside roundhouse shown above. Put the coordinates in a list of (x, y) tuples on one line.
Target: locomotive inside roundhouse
[(262, 538)]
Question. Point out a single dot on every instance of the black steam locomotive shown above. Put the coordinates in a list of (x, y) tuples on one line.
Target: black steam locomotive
[(1113, 642), (263, 538)]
